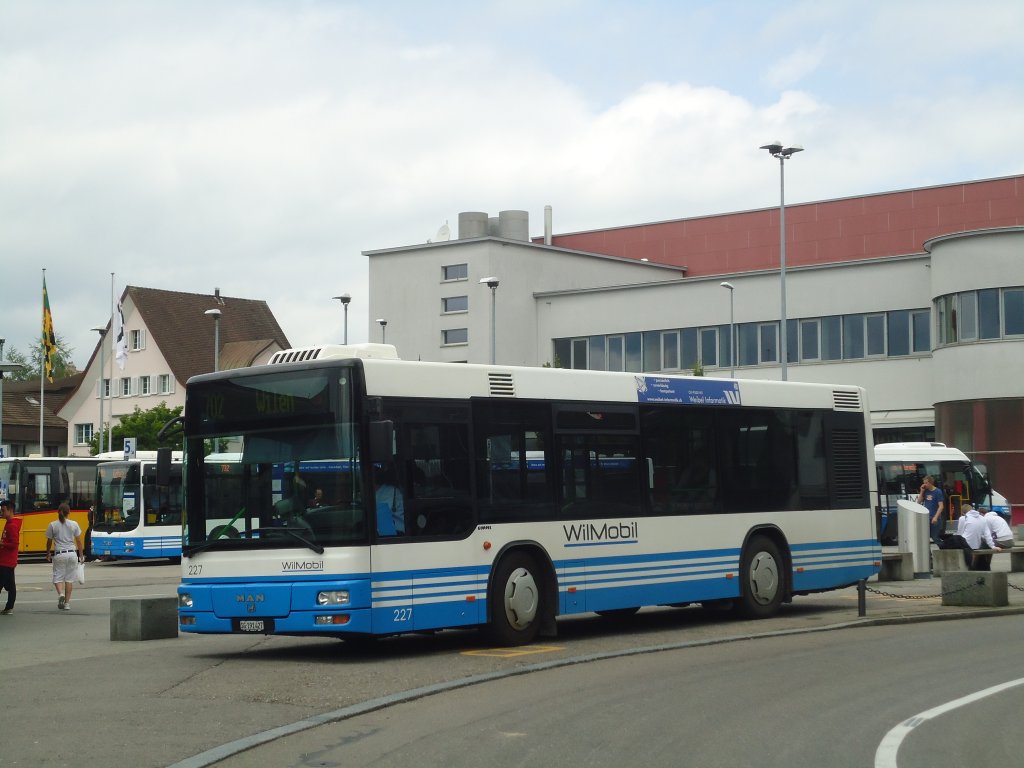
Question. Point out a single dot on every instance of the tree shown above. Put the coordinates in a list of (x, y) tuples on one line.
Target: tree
[(144, 426), (62, 364)]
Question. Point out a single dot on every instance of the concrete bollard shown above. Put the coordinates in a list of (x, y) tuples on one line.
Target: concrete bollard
[(977, 588), (143, 618)]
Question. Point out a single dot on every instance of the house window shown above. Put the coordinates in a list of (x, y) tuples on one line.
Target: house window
[(809, 333), (83, 434), (455, 336), (455, 304), (164, 383), (145, 385), (126, 387), (455, 272), (138, 340), (105, 388)]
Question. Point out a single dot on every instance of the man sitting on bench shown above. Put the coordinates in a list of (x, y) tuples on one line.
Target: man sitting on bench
[(976, 532)]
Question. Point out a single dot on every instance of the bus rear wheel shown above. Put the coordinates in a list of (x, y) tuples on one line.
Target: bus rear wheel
[(762, 579), (515, 601)]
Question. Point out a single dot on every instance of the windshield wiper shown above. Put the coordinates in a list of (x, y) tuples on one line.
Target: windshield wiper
[(294, 534), (268, 529)]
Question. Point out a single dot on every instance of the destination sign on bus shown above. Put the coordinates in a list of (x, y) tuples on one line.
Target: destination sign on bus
[(301, 398), (663, 389)]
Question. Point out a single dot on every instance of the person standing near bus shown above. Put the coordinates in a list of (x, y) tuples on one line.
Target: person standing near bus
[(934, 500), (64, 548), (10, 541)]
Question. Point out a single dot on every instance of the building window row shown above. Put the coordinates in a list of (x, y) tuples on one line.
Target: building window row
[(898, 333), (969, 316), (128, 386)]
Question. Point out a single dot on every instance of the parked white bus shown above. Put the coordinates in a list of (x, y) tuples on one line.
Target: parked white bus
[(135, 517), (502, 497), (901, 466)]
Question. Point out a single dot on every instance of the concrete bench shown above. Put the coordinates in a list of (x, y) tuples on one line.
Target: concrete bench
[(143, 618), (944, 560), (975, 588), (897, 566)]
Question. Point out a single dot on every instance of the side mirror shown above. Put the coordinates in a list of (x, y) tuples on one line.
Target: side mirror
[(163, 467), (382, 441)]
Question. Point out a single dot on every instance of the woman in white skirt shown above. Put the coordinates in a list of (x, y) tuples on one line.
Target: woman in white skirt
[(64, 549)]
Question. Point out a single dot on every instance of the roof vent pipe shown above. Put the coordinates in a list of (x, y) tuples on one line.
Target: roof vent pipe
[(547, 225)]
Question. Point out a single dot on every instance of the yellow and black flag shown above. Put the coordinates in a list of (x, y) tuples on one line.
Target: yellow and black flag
[(49, 339)]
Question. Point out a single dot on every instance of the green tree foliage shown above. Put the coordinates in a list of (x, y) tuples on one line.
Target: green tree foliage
[(62, 364), (144, 426)]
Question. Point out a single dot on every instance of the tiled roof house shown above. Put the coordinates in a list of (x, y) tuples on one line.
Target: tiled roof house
[(169, 339)]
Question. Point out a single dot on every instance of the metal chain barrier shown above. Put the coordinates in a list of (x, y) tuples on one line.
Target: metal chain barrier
[(863, 588)]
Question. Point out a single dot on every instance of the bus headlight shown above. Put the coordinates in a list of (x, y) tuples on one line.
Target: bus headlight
[(333, 597), (184, 600)]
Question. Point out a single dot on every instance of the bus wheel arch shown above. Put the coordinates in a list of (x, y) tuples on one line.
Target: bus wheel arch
[(765, 573), (522, 595)]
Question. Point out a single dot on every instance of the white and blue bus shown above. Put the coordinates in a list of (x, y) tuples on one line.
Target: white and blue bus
[(503, 497), (135, 517)]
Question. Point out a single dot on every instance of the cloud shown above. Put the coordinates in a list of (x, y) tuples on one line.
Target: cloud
[(260, 147)]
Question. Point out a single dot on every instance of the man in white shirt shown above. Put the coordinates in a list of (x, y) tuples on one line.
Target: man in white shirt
[(976, 533), (1001, 532)]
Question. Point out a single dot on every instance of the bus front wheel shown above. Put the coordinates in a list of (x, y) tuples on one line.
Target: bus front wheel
[(762, 579), (515, 601)]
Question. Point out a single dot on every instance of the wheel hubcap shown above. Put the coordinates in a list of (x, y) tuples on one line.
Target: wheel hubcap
[(764, 578), (521, 598)]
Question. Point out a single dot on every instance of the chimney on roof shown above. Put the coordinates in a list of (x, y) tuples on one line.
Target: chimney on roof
[(547, 225), (216, 296)]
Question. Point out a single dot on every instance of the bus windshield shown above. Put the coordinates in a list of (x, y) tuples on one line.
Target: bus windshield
[(286, 470), (128, 494)]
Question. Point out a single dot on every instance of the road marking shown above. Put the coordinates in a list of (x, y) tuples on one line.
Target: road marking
[(885, 756), (510, 653)]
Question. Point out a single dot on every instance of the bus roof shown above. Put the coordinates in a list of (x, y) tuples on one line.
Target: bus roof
[(388, 376), (922, 451)]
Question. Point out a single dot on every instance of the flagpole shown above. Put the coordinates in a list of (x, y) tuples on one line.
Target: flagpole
[(42, 369), (110, 424)]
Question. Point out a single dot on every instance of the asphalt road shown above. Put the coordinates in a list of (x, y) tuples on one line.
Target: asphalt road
[(165, 702), (807, 700)]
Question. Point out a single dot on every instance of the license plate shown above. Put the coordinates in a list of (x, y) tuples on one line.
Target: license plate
[(257, 626)]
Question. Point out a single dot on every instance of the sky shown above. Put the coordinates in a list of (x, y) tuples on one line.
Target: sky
[(260, 146)]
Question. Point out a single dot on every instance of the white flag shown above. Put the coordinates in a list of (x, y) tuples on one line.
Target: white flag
[(120, 342)]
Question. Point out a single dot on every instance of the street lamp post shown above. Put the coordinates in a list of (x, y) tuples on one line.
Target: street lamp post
[(102, 332), (345, 299), (215, 314), (492, 283), (732, 329), (383, 330), (775, 149)]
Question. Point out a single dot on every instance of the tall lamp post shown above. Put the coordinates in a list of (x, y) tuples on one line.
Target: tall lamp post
[(102, 332), (775, 149), (732, 329), (345, 299), (492, 283), (383, 330), (215, 314)]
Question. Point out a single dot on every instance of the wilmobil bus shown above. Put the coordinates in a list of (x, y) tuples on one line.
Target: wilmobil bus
[(376, 496), (902, 466)]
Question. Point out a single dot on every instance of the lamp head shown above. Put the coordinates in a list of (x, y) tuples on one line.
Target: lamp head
[(214, 313), (491, 282), (727, 284), (344, 298), (382, 321)]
